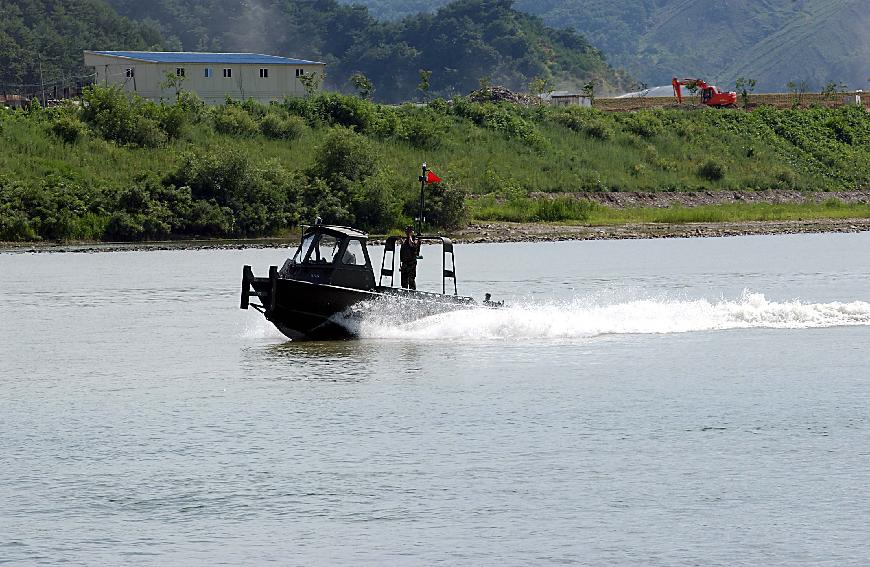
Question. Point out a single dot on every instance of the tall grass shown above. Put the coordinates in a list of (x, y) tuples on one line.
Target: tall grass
[(593, 214)]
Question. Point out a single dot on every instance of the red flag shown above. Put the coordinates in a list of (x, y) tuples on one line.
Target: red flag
[(432, 178)]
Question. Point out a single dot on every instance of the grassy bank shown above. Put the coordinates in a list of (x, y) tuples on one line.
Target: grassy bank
[(121, 169), (567, 210)]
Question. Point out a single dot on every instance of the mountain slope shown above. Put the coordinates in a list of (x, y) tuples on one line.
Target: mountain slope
[(53, 33), (773, 41), (462, 43)]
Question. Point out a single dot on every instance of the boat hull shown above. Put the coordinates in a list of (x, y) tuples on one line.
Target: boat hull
[(304, 310)]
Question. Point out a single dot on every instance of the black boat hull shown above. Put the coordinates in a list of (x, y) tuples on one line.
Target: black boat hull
[(304, 310)]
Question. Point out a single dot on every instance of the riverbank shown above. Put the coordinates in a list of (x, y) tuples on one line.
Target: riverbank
[(488, 232), (253, 170)]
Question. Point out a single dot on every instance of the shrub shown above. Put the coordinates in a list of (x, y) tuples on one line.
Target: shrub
[(377, 205), (501, 118), (447, 206), (280, 126), (579, 119), (786, 178), (711, 170), (173, 119), (597, 130), (207, 218), (15, 224), (68, 128), (262, 199), (109, 112), (234, 120), (423, 131), (147, 133), (334, 109), (344, 157), (642, 124)]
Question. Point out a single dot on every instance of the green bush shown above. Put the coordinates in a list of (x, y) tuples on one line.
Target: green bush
[(711, 170), (123, 119), (377, 204), (262, 199), (147, 133), (233, 120), (279, 126), (334, 109), (344, 157), (502, 118), (174, 119), (110, 113), (68, 128), (643, 124), (423, 130), (15, 224), (446, 206), (597, 129)]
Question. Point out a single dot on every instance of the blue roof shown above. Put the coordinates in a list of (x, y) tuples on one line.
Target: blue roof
[(216, 58)]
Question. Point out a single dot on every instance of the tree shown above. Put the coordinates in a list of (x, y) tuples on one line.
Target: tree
[(425, 83), (832, 89), (539, 86), (745, 87), (589, 91), (173, 81), (312, 83), (362, 84), (797, 89)]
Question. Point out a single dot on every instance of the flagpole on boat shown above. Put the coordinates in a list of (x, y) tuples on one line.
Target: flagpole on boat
[(422, 200)]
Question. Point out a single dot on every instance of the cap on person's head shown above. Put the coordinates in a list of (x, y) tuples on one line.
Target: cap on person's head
[(409, 228)]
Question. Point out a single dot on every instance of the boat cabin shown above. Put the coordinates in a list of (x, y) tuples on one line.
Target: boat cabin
[(331, 255)]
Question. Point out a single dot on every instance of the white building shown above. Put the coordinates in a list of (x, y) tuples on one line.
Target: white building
[(212, 76)]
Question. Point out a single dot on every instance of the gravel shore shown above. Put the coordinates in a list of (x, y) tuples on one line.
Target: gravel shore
[(530, 232), (492, 232)]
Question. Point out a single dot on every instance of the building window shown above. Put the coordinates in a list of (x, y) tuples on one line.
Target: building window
[(130, 72), (208, 73), (300, 72), (264, 73), (228, 73), (179, 71)]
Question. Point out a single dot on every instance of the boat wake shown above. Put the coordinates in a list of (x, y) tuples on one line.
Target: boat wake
[(579, 319)]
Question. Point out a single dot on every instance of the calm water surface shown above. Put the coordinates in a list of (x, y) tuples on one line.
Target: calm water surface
[(679, 402)]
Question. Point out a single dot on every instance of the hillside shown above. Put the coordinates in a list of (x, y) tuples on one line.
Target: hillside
[(53, 33), (774, 41), (118, 169), (463, 43)]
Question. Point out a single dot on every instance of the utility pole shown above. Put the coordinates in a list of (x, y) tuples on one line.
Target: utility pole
[(41, 82)]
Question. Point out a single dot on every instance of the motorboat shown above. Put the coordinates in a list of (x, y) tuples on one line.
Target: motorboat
[(328, 286)]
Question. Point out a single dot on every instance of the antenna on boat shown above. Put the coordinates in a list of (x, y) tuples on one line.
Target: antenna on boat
[(422, 199)]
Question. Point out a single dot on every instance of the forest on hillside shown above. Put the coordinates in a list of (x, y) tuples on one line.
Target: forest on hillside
[(464, 43), (43, 40)]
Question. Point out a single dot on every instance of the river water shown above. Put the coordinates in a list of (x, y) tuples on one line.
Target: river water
[(661, 402)]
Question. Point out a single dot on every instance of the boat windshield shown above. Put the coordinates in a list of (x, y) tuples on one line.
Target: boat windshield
[(303, 249), (325, 251)]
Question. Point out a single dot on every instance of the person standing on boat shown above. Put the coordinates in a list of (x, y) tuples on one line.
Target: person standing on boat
[(408, 259)]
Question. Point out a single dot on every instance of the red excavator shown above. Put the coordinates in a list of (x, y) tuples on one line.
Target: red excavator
[(710, 95)]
